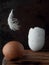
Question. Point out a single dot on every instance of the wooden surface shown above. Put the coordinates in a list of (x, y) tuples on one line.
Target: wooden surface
[(31, 58)]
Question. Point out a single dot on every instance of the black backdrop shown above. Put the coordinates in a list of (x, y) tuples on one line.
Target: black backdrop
[(30, 13)]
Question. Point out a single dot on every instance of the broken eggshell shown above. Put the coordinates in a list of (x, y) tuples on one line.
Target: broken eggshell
[(36, 38)]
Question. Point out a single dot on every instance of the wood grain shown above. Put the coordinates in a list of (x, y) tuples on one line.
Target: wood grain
[(31, 58)]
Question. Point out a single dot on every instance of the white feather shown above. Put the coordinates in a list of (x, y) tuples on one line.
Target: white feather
[(13, 22), (36, 38)]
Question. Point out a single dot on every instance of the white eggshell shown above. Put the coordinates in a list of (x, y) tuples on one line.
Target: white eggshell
[(36, 38)]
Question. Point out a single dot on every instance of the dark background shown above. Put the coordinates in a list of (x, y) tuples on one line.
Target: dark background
[(30, 13)]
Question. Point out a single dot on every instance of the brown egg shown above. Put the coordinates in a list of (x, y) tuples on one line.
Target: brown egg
[(12, 50)]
